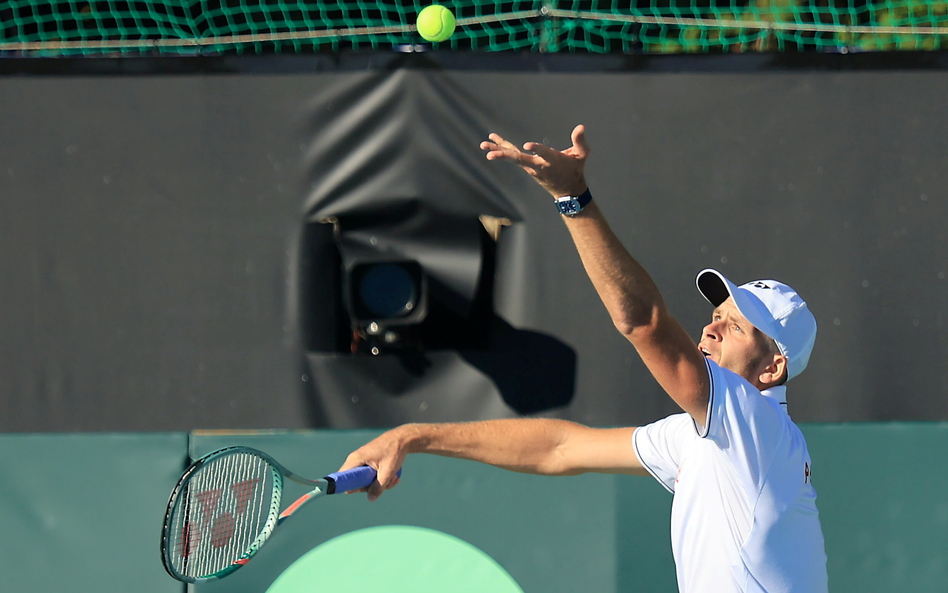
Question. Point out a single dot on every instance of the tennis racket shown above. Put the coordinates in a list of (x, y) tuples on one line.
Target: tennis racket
[(227, 505)]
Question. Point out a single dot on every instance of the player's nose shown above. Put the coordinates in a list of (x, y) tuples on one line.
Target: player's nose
[(711, 331)]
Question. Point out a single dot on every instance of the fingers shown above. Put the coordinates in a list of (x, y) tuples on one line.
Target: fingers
[(580, 148), (354, 460), (380, 484), (350, 463), (499, 149), (497, 144), (383, 481), (495, 152), (548, 154), (558, 172), (385, 461), (394, 483), (499, 141), (388, 474), (375, 490)]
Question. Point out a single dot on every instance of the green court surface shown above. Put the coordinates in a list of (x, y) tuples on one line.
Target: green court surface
[(396, 559)]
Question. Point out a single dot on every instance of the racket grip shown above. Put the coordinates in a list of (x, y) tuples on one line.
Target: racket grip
[(352, 479)]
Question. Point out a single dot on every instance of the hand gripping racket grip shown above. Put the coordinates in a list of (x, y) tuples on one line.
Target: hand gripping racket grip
[(351, 479)]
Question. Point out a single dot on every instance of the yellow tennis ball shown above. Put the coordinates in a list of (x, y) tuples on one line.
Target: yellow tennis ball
[(435, 23)]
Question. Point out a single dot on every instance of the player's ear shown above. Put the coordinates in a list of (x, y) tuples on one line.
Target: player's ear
[(775, 373)]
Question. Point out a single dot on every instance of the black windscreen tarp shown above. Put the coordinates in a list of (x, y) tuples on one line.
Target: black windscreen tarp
[(175, 249)]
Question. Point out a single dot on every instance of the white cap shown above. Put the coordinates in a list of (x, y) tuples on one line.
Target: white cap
[(772, 307)]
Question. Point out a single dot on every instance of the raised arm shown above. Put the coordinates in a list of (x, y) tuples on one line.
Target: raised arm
[(527, 445), (628, 292)]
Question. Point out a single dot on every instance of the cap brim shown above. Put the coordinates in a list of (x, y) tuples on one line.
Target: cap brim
[(716, 289), (713, 286)]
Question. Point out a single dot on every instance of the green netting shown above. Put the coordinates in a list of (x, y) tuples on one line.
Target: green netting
[(96, 27)]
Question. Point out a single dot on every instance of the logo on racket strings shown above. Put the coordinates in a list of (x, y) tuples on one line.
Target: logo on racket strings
[(220, 525)]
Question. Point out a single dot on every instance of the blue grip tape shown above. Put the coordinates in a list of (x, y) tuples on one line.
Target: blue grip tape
[(353, 479)]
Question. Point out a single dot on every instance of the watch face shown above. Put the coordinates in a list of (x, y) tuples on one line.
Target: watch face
[(570, 206)]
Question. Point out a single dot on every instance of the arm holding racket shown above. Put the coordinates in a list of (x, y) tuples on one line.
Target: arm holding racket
[(626, 289), (527, 445)]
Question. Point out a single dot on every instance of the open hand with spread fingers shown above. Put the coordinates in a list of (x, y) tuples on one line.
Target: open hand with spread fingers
[(559, 172)]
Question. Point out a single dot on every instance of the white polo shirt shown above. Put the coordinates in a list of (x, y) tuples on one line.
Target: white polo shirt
[(744, 516)]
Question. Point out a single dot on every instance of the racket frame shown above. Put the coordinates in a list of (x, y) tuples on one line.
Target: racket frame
[(274, 519)]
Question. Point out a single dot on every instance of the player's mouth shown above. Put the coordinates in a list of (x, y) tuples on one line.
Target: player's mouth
[(704, 351)]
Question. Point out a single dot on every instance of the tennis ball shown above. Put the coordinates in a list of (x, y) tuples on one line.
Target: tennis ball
[(435, 23)]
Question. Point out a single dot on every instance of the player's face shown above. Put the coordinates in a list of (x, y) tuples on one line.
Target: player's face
[(733, 343)]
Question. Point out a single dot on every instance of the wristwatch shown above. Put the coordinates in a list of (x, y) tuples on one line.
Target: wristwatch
[(573, 205)]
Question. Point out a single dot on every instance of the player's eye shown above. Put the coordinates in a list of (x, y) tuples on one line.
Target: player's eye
[(738, 329)]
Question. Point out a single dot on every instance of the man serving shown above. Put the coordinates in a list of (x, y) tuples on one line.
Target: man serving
[(744, 515)]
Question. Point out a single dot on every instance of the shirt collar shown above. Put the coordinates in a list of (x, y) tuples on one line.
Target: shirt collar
[(778, 392)]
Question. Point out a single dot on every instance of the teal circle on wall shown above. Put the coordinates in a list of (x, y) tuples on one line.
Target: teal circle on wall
[(395, 559)]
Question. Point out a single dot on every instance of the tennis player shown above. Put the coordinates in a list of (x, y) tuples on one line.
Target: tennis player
[(744, 515)]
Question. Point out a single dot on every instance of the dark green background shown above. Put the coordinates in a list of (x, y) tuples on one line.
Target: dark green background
[(83, 512)]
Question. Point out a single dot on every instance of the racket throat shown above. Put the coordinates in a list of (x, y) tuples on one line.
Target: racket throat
[(319, 491)]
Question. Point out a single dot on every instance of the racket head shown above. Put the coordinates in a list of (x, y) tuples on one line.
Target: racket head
[(223, 509)]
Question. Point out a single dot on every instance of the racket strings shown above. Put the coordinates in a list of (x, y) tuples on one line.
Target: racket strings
[(225, 510)]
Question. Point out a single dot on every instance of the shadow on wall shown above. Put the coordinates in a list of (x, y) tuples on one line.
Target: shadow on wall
[(532, 371)]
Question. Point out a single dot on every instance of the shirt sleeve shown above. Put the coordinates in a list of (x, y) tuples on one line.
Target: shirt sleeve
[(660, 446)]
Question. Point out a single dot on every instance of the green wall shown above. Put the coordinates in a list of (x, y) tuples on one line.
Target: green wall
[(83, 512), (883, 500)]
